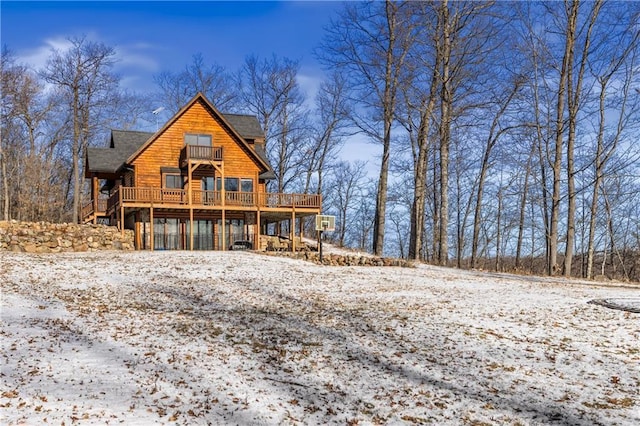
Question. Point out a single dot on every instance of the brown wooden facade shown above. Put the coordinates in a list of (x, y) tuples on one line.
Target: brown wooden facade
[(197, 183)]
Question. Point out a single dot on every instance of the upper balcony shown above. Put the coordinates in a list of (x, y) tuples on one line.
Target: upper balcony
[(197, 153)]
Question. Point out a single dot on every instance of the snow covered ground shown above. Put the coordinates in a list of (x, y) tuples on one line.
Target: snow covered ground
[(241, 338)]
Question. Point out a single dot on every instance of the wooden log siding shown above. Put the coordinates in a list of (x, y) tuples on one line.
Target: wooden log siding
[(167, 149)]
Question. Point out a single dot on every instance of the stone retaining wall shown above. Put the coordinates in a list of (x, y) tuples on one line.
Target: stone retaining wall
[(42, 237), (344, 260)]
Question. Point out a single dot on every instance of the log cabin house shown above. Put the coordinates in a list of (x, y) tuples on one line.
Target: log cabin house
[(198, 183)]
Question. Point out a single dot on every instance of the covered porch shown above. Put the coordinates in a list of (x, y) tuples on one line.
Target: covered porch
[(161, 228)]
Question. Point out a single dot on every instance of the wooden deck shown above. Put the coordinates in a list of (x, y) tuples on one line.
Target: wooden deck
[(202, 200)]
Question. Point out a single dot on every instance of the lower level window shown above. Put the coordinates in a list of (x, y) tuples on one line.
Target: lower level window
[(173, 181)]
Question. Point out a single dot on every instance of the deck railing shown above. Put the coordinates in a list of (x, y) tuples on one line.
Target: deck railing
[(88, 209), (200, 153), (275, 199), (199, 198)]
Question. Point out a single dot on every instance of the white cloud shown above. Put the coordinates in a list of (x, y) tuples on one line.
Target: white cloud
[(309, 85), (136, 56), (134, 62), (36, 58)]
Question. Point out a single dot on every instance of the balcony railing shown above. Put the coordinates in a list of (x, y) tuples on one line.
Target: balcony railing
[(200, 153), (180, 198)]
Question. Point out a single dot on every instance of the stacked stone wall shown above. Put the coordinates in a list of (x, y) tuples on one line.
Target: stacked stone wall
[(43, 237), (344, 259)]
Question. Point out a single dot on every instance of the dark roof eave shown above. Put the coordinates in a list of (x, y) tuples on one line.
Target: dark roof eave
[(268, 175)]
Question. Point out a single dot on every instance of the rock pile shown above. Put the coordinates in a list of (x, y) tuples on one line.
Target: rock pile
[(344, 259), (42, 237)]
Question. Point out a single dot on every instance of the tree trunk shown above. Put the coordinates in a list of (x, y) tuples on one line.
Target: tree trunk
[(557, 161), (5, 184), (392, 65), (572, 99), (574, 96), (75, 154), (420, 193), (523, 206), (445, 135)]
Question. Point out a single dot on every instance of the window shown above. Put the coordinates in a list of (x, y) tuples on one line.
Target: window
[(230, 184), (173, 181), (199, 140), (246, 185), (207, 183)]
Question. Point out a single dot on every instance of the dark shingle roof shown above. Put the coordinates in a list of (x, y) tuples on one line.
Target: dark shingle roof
[(123, 143), (269, 174), (246, 125)]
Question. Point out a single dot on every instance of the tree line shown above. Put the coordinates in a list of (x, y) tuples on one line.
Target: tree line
[(507, 130)]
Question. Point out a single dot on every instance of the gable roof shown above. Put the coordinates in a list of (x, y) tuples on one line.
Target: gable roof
[(247, 125), (122, 144), (125, 145), (199, 97)]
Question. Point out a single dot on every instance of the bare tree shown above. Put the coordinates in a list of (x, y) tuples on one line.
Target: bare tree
[(10, 76), (30, 167), (332, 112), (82, 74), (619, 63), (575, 81), (269, 89), (369, 42), (177, 88), (496, 130), (347, 184)]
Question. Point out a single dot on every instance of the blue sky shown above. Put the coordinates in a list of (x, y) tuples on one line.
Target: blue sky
[(153, 36)]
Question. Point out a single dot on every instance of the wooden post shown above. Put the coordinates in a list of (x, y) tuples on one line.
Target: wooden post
[(224, 230), (94, 195), (121, 212), (191, 228), (121, 220), (151, 243), (137, 239), (301, 228), (223, 196), (292, 230), (256, 243), (190, 195)]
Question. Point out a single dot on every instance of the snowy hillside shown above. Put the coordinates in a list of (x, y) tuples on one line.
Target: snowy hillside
[(241, 338)]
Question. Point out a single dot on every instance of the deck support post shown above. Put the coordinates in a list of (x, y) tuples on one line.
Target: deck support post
[(292, 229), (122, 221), (190, 202), (95, 193), (256, 236), (136, 237), (121, 212), (190, 228), (301, 228), (223, 232), (151, 243)]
